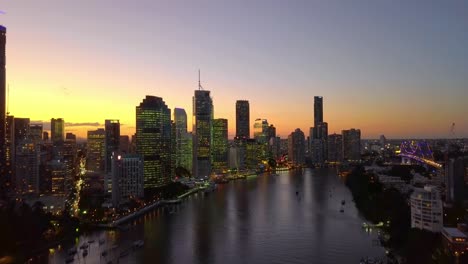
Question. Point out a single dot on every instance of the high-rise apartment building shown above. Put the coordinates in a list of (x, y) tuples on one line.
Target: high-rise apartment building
[(202, 133), (112, 142), (296, 147), (352, 145), (96, 150), (220, 144), (242, 119), (57, 130), (426, 209), (153, 140)]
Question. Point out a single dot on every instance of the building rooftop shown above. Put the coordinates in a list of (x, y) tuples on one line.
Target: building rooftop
[(453, 232)]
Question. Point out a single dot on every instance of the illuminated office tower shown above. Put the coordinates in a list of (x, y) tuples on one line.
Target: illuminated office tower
[(3, 113), (69, 154), (57, 126), (127, 174), (112, 128), (296, 147), (335, 148), (261, 130), (242, 119), (202, 133), (220, 144), (95, 150), (153, 140), (352, 145)]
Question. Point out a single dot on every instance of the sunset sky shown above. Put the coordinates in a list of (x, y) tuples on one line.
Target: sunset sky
[(386, 67)]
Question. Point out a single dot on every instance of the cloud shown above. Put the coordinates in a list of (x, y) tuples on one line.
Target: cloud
[(89, 124)]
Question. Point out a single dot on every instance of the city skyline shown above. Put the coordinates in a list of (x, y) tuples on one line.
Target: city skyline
[(94, 77)]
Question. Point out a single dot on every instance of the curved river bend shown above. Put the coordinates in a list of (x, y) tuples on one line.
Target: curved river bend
[(257, 220)]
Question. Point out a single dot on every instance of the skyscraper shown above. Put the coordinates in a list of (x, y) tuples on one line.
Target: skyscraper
[(335, 148), (57, 126), (3, 113), (112, 142), (261, 130), (153, 140), (35, 132), (318, 134), (95, 155), (242, 119), (127, 176), (180, 122), (454, 180), (220, 144), (351, 144), (202, 133), (318, 110), (296, 147)]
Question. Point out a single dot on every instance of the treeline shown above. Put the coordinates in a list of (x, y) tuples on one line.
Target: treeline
[(25, 229), (379, 204)]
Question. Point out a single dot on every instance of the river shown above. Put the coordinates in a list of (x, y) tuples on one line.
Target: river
[(290, 218)]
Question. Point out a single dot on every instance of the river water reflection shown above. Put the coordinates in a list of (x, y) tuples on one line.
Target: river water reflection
[(257, 220)]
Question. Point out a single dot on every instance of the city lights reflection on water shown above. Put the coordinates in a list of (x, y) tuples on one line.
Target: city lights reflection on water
[(290, 218)]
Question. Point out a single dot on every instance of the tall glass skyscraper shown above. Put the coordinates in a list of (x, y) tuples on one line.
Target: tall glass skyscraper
[(153, 140), (95, 154), (261, 130), (202, 133), (184, 144), (242, 119), (57, 126)]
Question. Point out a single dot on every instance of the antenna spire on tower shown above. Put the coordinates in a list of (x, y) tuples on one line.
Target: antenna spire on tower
[(199, 82)]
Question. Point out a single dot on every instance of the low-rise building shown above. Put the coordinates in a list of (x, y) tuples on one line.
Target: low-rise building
[(454, 240)]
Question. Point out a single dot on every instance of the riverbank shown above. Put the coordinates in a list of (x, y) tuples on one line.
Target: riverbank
[(387, 205)]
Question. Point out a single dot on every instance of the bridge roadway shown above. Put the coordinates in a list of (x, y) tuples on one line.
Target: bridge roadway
[(426, 161)]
